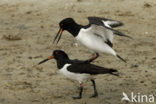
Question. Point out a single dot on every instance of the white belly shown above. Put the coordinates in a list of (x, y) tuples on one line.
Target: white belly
[(75, 76), (94, 43)]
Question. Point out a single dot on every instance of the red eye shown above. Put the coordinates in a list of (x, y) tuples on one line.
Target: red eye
[(57, 53)]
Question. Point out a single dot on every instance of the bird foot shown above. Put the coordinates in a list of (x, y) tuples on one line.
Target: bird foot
[(76, 97), (94, 95)]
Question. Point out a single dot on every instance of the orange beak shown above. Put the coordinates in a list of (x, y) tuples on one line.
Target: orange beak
[(50, 57), (58, 34)]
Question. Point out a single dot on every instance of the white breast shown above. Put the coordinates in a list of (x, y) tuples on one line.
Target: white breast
[(75, 76)]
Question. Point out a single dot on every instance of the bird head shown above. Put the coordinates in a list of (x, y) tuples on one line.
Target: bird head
[(57, 54), (65, 24)]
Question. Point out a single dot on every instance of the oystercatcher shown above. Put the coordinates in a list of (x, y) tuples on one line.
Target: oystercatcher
[(78, 70), (97, 35)]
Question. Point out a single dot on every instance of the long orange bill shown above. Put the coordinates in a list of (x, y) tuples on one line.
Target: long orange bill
[(58, 34), (50, 57)]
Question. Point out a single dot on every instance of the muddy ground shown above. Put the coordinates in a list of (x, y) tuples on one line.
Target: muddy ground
[(27, 28)]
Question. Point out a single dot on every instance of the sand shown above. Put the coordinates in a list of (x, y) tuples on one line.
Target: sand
[(27, 28)]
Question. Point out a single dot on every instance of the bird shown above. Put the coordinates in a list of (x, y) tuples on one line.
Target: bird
[(78, 70), (97, 36)]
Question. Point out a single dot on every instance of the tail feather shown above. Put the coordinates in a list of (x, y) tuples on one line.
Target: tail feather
[(109, 71), (114, 72)]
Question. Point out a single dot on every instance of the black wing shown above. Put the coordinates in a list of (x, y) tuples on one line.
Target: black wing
[(118, 32), (90, 69), (109, 24), (104, 22)]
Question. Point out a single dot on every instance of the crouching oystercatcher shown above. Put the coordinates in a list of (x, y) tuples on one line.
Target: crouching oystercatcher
[(97, 35), (78, 70)]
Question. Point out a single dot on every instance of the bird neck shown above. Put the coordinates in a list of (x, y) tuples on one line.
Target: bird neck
[(61, 63), (74, 29)]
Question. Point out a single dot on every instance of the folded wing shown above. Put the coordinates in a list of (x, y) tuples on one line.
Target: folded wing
[(90, 69)]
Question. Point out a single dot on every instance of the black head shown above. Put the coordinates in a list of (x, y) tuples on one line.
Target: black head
[(58, 55), (69, 25), (66, 23)]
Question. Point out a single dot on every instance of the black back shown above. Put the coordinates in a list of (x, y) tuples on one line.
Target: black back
[(89, 69)]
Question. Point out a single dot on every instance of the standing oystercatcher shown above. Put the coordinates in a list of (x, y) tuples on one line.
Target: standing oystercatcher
[(97, 35), (78, 70)]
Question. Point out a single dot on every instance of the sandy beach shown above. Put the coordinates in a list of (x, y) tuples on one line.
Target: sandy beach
[(28, 27)]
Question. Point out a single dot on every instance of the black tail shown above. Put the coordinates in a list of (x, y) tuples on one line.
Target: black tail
[(121, 58), (113, 72), (109, 71)]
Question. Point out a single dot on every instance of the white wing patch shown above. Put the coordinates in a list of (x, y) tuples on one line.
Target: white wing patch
[(109, 23)]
